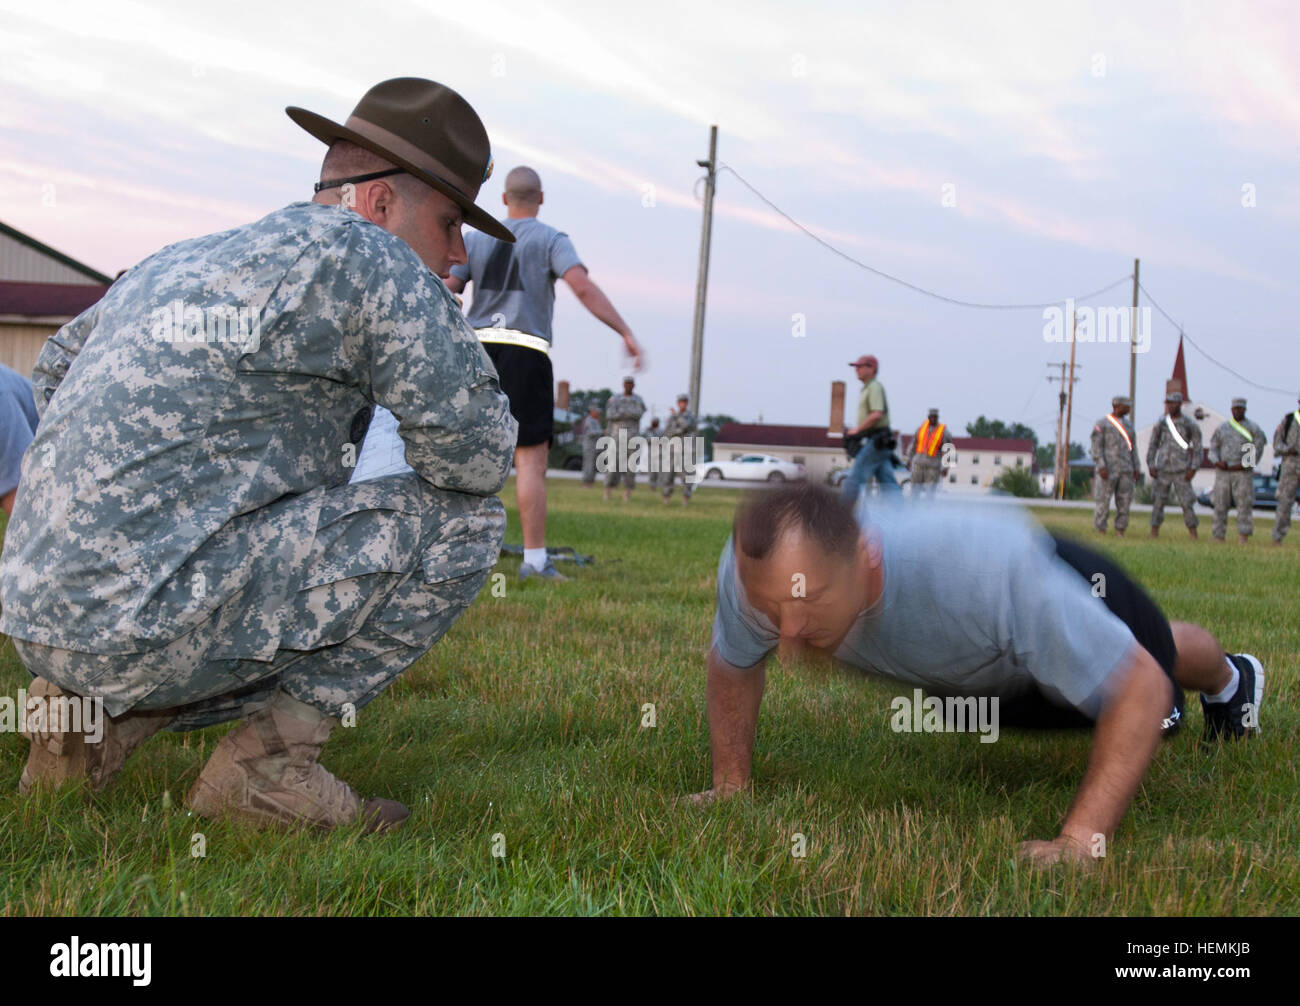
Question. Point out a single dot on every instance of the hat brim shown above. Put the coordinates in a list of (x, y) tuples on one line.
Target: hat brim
[(327, 131)]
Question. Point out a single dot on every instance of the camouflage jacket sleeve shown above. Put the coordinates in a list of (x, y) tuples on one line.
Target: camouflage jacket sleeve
[(1133, 449), (1260, 439), (1216, 445), (1286, 438), (1153, 447), (1193, 445), (429, 369), (57, 355), (1098, 445)]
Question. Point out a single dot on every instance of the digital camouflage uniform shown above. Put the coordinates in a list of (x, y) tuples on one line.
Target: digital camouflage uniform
[(652, 434), (187, 535), (1120, 459), (1169, 464), (1235, 488), (673, 460), (623, 412), (926, 469), (1286, 445), (592, 430)]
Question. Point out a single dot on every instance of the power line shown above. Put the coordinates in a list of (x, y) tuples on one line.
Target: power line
[(1221, 366), (902, 282)]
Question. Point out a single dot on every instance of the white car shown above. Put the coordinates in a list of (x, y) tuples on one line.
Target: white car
[(755, 468)]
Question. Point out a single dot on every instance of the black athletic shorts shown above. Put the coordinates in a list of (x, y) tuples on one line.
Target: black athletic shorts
[(1130, 603), (525, 376)]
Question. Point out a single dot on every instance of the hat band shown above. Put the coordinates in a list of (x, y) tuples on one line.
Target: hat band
[(410, 152)]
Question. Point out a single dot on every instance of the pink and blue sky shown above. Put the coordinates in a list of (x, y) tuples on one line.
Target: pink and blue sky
[(994, 152)]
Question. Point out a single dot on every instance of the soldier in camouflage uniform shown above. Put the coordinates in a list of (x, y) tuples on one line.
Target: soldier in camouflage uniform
[(924, 456), (1173, 456), (680, 425), (653, 435), (187, 546), (1286, 445), (1114, 453), (592, 430), (1235, 449), (623, 412)]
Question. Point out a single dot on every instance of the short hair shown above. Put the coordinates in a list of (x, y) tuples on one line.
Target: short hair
[(523, 186), (346, 159), (766, 517)]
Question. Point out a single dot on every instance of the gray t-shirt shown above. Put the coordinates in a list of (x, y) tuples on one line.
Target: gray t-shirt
[(974, 603), (18, 418), (514, 284)]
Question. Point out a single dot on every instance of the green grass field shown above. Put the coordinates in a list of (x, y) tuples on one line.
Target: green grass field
[(525, 722)]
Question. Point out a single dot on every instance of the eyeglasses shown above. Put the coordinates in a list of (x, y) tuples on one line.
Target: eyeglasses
[(334, 183)]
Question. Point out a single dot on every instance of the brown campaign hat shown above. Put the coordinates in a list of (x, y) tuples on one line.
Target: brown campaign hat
[(427, 130)]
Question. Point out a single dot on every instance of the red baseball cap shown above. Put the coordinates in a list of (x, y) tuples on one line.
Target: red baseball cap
[(865, 361)]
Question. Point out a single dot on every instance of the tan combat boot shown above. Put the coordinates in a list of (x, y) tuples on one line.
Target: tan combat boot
[(61, 754), (266, 773)]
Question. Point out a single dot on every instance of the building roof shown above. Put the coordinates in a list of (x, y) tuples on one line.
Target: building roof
[(94, 275), (771, 435), (48, 300)]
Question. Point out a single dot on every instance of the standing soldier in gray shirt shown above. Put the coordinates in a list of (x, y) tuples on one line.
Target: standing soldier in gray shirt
[(680, 425), (1173, 456), (512, 311), (188, 549), (623, 413), (1114, 453), (1286, 445), (1235, 449), (592, 427)]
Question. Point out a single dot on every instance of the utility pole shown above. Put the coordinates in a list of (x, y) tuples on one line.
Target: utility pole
[(1069, 401), (1132, 349), (1062, 469), (702, 283)]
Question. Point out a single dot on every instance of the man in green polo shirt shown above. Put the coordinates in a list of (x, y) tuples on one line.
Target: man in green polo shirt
[(874, 457)]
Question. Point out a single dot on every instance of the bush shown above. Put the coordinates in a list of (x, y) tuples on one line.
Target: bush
[(1017, 482)]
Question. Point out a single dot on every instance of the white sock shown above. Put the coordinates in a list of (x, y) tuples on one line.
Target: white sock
[(1231, 690), (535, 557)]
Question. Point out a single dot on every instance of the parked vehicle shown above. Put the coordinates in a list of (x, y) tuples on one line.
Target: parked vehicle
[(755, 468), (566, 448), (1265, 494)]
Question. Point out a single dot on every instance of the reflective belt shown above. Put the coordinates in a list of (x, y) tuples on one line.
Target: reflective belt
[(1169, 422), (513, 337), (1246, 434), (1122, 432)]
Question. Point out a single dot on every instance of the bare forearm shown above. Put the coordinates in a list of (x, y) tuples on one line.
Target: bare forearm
[(733, 698), (594, 300), (1127, 733)]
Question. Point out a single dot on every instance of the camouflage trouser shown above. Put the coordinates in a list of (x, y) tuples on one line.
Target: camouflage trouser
[(1287, 481), (588, 463), (1176, 482), (925, 477), (1122, 487), (613, 475), (1233, 489), (673, 463), (394, 563)]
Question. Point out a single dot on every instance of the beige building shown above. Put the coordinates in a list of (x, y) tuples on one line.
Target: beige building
[(41, 290)]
